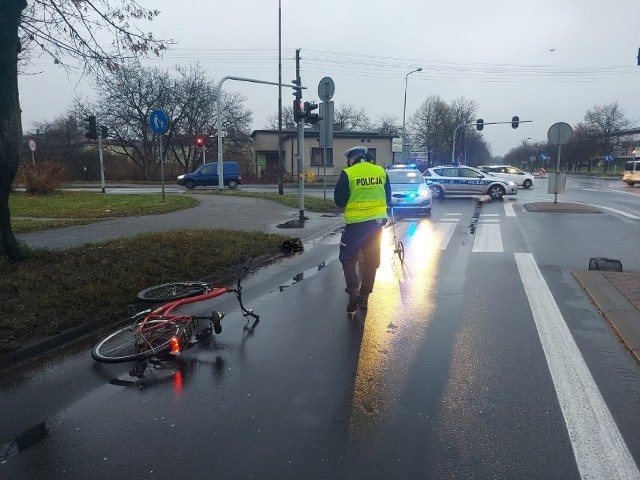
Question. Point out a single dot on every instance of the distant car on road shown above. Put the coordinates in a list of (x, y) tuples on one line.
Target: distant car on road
[(409, 191), (507, 172), (207, 175), (463, 180), (631, 174)]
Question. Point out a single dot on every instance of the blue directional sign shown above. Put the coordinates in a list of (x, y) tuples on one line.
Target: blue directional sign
[(609, 158), (159, 121)]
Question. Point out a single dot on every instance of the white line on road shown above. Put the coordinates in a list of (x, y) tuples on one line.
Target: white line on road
[(444, 231), (488, 238), (598, 446), (508, 210)]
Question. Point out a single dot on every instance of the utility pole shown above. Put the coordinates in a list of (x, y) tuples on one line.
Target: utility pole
[(300, 145), (280, 159)]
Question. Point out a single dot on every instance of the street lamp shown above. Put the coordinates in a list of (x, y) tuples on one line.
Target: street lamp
[(404, 110)]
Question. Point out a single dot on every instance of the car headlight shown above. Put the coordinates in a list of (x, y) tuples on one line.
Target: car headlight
[(180, 177), (512, 184)]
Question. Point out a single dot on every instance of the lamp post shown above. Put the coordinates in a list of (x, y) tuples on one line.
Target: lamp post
[(404, 110)]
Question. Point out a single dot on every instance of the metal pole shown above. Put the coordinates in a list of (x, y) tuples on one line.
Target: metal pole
[(280, 159), (555, 188), (324, 162), (101, 161), (404, 109), (204, 155), (301, 169), (219, 116), (161, 165)]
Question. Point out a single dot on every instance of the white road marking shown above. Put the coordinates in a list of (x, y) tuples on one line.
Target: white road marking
[(508, 210), (598, 446), (444, 231), (487, 238)]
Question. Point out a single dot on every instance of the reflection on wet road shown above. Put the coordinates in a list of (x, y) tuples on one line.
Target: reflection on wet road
[(395, 326)]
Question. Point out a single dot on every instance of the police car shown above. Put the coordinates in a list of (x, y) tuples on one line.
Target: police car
[(464, 180), (408, 189)]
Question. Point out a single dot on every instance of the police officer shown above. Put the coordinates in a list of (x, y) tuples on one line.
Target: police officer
[(364, 192)]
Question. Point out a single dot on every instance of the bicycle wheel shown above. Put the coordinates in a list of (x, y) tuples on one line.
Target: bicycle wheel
[(168, 292), (125, 345)]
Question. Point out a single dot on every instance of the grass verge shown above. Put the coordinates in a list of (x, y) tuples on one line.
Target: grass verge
[(53, 291)]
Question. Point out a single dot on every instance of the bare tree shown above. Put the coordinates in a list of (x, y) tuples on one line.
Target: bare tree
[(287, 119), (62, 29), (434, 123), (350, 118), (387, 125), (600, 123), (129, 94)]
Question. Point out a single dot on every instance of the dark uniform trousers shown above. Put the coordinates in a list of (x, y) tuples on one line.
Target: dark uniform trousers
[(365, 236)]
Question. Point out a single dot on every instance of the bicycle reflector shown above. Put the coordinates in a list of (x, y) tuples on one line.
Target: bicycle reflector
[(175, 344)]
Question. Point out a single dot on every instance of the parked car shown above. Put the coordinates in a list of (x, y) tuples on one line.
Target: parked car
[(507, 172), (463, 180), (207, 175), (631, 174), (409, 191)]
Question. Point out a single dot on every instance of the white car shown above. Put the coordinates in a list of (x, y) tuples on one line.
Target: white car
[(507, 172)]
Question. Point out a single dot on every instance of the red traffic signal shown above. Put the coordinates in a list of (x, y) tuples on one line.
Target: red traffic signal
[(298, 110), (199, 141)]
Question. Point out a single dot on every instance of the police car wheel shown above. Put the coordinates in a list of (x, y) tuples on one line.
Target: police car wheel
[(496, 192), (436, 192)]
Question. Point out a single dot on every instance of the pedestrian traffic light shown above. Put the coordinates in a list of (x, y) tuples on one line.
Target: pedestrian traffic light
[(199, 140), (104, 131), (480, 124), (311, 118), (92, 131), (515, 121), (298, 110)]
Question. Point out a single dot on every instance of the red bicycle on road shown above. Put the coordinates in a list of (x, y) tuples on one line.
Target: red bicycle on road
[(151, 333)]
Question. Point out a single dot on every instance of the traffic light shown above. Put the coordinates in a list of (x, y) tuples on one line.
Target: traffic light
[(515, 121), (92, 131), (199, 141), (297, 91), (104, 132), (311, 118), (298, 110), (480, 124)]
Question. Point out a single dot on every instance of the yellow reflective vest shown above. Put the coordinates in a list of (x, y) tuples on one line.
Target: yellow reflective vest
[(367, 199)]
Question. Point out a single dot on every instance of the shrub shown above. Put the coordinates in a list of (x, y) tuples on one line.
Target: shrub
[(44, 177)]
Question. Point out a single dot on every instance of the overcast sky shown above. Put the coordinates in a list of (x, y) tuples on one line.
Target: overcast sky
[(544, 60)]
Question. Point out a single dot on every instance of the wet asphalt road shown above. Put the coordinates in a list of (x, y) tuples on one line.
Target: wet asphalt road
[(451, 373)]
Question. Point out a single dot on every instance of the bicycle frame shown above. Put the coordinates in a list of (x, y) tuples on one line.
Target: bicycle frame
[(161, 316)]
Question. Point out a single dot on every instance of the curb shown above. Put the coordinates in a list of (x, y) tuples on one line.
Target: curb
[(621, 314)]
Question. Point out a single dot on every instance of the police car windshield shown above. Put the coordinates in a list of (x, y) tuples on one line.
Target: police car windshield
[(405, 176)]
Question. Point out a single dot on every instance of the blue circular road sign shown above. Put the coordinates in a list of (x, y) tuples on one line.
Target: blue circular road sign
[(159, 121)]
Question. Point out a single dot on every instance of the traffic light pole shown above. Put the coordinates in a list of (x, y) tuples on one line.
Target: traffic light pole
[(300, 147), (219, 116), (101, 161), (453, 149)]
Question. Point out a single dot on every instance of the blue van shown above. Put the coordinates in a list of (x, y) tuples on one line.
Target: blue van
[(207, 175)]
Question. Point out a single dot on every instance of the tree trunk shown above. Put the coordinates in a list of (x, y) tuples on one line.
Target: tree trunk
[(10, 117)]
